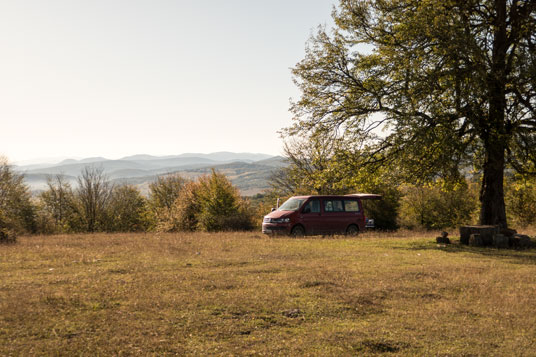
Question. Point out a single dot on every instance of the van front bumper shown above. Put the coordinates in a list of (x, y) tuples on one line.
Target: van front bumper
[(275, 228)]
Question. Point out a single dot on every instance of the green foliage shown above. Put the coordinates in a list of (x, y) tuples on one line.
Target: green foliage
[(314, 168), (165, 190), (220, 205), (162, 196), (7, 235), (384, 211), (17, 213), (57, 206), (521, 200), (127, 210), (438, 205), (182, 215), (262, 204), (187, 208), (211, 203), (45, 222)]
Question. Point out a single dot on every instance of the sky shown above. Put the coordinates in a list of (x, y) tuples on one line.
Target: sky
[(114, 78)]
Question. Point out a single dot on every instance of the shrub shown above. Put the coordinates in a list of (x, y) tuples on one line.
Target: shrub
[(185, 212), (57, 207), (17, 212), (384, 211), (438, 205), (520, 197), (211, 203), (262, 204), (44, 219), (220, 205), (127, 210), (161, 203), (6, 235)]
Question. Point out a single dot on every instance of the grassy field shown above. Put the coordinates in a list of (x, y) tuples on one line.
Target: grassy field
[(247, 294)]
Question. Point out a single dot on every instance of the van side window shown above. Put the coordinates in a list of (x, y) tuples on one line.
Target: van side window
[(333, 206), (312, 206), (351, 206)]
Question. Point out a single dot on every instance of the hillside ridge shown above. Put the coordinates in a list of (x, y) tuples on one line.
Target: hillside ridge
[(249, 172)]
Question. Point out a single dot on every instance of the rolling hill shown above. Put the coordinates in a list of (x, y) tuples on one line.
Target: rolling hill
[(250, 173)]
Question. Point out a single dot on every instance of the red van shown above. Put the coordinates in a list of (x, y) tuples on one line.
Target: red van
[(310, 215)]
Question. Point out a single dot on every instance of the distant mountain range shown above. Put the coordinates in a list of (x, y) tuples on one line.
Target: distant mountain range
[(249, 172)]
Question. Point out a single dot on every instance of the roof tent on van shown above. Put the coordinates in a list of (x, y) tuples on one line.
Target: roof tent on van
[(366, 196)]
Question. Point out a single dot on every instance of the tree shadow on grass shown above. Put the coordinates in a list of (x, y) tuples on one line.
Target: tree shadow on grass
[(512, 255)]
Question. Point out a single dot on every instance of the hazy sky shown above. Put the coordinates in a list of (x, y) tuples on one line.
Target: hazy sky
[(120, 77)]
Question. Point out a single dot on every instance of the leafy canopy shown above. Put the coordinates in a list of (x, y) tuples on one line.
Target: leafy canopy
[(420, 70)]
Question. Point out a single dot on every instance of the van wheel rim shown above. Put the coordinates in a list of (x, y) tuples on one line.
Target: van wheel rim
[(352, 231), (298, 232)]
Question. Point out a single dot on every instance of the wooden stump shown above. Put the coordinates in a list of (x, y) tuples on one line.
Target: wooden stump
[(442, 240), (486, 233)]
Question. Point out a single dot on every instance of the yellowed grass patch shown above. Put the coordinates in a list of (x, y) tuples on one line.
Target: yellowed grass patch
[(248, 294)]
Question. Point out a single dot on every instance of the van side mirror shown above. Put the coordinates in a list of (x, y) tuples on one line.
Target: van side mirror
[(273, 209)]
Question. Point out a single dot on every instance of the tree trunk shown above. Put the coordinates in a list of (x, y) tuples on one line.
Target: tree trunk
[(495, 138), (492, 210)]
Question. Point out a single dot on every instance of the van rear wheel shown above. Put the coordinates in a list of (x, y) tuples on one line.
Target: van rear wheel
[(352, 230), (298, 231)]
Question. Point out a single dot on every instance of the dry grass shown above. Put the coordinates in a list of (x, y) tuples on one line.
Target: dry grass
[(246, 294)]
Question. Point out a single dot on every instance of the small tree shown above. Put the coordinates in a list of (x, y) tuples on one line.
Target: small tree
[(186, 210), (165, 190), (310, 169), (162, 196), (59, 203), (220, 205), (127, 211), (93, 195)]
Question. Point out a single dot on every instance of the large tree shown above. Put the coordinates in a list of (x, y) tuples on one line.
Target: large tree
[(451, 82)]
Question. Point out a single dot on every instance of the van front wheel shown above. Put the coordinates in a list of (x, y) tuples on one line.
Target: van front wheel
[(352, 230), (297, 231)]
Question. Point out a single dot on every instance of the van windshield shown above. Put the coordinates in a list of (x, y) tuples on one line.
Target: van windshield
[(292, 204)]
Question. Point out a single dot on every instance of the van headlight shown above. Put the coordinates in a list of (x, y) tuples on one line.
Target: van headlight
[(280, 220)]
